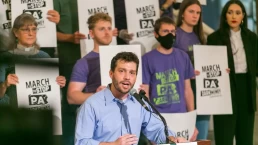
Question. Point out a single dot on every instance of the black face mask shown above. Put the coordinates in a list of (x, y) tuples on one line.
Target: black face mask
[(166, 41)]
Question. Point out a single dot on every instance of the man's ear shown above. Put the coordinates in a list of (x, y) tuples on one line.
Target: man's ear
[(91, 33), (111, 74), (156, 35)]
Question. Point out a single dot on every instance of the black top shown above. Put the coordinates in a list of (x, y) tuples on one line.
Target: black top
[(250, 41)]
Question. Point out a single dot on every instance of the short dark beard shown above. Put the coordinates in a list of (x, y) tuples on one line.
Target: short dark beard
[(117, 88)]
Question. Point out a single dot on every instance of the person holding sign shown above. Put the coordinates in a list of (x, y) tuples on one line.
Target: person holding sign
[(124, 37), (52, 16), (166, 7), (99, 119), (167, 72), (189, 32), (85, 78), (242, 50), (22, 46)]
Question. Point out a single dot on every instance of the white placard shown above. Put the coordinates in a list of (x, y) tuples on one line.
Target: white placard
[(5, 15), (183, 124), (141, 16), (203, 2), (87, 8), (46, 35), (37, 90), (106, 53), (212, 85)]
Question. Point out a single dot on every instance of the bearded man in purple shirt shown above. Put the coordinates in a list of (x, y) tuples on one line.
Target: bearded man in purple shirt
[(85, 78)]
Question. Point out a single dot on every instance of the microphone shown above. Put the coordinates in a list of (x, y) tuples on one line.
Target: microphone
[(142, 95), (133, 92)]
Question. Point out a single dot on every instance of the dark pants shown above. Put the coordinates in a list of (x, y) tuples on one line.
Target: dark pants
[(241, 123), (68, 124), (68, 55), (68, 111)]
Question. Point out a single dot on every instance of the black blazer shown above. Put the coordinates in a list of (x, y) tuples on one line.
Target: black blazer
[(250, 42)]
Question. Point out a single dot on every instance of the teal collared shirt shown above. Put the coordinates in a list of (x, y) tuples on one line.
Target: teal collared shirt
[(104, 118)]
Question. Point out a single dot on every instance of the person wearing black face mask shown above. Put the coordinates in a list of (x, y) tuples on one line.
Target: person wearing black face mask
[(167, 72), (166, 41)]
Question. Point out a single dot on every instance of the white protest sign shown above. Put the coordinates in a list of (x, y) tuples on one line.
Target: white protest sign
[(141, 16), (213, 94), (87, 8), (5, 15), (106, 53), (183, 124), (203, 2), (46, 34), (38, 90)]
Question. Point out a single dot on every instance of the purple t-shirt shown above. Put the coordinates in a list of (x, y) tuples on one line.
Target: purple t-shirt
[(87, 70), (185, 41), (165, 74)]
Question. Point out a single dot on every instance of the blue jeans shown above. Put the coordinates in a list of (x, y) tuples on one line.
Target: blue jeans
[(202, 124)]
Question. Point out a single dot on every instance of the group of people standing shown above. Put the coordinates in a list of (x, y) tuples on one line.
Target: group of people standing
[(101, 119)]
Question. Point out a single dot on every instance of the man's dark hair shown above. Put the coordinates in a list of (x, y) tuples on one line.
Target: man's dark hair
[(124, 56), (162, 20)]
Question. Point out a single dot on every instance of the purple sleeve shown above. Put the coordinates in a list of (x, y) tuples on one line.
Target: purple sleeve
[(189, 73), (175, 45), (145, 70), (80, 71)]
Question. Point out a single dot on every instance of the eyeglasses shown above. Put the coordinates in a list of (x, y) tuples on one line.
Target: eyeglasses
[(27, 30)]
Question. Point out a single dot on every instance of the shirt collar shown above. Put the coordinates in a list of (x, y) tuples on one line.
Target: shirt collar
[(233, 33), (109, 97)]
